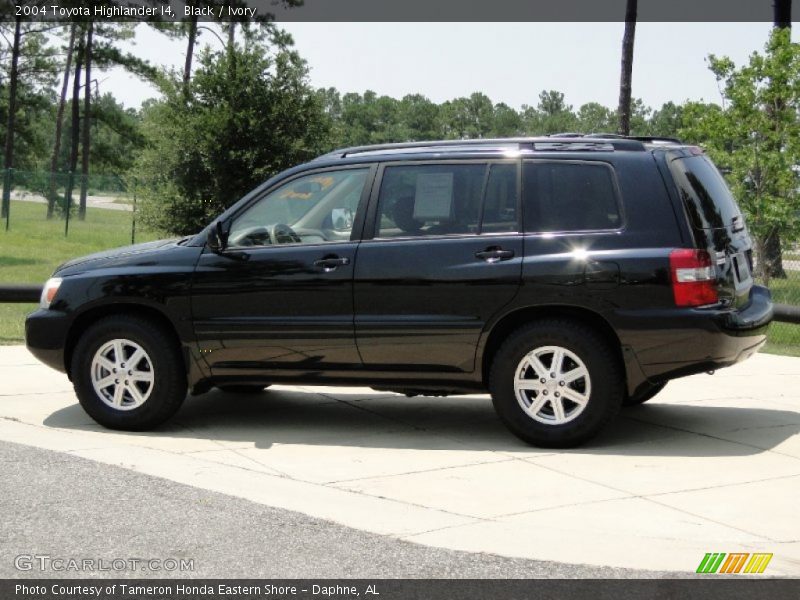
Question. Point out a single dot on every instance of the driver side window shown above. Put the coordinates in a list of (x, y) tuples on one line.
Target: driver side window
[(310, 209)]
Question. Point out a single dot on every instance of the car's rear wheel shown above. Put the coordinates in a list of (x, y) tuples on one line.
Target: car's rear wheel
[(128, 373), (556, 383), (644, 395), (243, 389)]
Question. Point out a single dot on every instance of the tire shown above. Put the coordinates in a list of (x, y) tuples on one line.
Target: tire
[(600, 390), (158, 374), (242, 389), (645, 395)]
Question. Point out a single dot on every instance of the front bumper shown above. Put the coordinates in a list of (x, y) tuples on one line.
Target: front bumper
[(46, 337)]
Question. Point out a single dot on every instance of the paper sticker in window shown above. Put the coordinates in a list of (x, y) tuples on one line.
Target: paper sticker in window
[(433, 200)]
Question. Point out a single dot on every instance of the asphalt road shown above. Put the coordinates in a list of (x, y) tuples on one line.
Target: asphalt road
[(57, 505)]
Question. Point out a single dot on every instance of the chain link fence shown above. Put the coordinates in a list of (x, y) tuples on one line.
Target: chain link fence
[(44, 222), (40, 201), (784, 338)]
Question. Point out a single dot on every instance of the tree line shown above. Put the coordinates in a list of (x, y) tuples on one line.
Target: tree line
[(243, 109)]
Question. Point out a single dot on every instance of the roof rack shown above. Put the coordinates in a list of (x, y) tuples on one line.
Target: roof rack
[(573, 142), (646, 139)]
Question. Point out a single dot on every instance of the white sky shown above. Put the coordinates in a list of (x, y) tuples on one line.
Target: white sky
[(509, 62)]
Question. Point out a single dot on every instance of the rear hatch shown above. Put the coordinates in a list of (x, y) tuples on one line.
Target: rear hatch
[(717, 223)]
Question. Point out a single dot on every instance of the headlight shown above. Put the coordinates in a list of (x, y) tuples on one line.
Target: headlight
[(49, 292)]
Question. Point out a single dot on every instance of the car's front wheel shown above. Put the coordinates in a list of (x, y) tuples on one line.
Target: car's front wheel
[(556, 383), (128, 373)]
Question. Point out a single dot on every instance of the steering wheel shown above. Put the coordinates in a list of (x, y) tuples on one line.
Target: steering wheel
[(252, 236), (280, 233)]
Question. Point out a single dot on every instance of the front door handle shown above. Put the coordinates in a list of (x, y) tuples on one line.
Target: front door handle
[(494, 254), (329, 263)]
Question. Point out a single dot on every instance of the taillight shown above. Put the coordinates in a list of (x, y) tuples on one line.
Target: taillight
[(693, 277)]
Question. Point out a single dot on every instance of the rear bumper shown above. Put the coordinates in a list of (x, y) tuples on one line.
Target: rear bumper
[(46, 337), (674, 343)]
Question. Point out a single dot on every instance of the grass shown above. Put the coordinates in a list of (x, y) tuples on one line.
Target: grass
[(784, 338), (33, 247)]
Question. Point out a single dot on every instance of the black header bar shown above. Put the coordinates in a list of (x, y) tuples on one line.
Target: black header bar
[(333, 11)]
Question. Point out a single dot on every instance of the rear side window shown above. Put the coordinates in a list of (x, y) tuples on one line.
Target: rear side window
[(570, 196), (430, 200), (704, 192), (500, 205)]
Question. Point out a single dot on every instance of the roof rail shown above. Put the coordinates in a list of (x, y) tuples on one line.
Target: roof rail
[(574, 142), (639, 138)]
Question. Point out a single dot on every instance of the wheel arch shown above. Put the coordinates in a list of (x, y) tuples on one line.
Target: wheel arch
[(85, 319), (522, 316)]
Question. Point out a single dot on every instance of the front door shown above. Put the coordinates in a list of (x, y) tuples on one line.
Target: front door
[(280, 297), (446, 255)]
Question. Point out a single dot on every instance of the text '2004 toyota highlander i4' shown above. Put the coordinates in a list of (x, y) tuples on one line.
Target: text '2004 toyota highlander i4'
[(566, 276)]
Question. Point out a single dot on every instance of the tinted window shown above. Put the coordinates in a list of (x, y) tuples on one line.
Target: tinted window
[(310, 209), (565, 196), (500, 205), (430, 200), (704, 192)]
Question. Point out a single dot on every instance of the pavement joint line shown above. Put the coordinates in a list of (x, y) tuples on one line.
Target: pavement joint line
[(50, 393), (499, 520), (433, 470), (74, 450), (713, 437), (221, 446), (568, 505), (276, 472), (648, 499), (428, 430), (262, 473), (408, 536), (722, 485), (705, 518), (649, 496), (407, 503), (30, 364), (778, 426)]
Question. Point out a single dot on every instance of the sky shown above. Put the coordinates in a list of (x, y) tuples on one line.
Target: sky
[(509, 62)]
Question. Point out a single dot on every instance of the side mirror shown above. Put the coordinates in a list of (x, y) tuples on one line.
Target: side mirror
[(218, 237)]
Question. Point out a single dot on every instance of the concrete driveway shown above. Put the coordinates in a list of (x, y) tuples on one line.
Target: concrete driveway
[(711, 465)]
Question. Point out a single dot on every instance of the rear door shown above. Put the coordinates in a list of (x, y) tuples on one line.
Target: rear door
[(445, 255), (717, 224)]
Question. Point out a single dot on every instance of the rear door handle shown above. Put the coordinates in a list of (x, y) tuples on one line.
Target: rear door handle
[(494, 254), (329, 263)]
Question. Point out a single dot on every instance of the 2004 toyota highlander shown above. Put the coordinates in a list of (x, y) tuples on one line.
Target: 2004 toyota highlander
[(565, 275)]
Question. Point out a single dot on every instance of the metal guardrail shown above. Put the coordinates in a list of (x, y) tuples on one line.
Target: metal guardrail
[(784, 313), (21, 293)]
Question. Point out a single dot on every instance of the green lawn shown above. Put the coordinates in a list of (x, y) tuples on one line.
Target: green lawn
[(784, 338), (33, 247)]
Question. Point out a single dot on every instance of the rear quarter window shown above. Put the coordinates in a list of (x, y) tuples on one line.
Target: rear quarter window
[(704, 193), (570, 196)]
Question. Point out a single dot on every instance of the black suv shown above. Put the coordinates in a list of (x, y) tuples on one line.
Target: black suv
[(567, 276)]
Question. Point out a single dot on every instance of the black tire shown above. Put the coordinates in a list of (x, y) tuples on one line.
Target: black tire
[(243, 389), (645, 395), (169, 373), (605, 374)]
